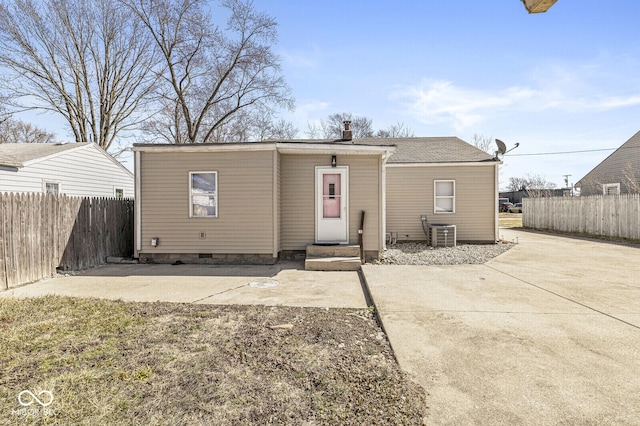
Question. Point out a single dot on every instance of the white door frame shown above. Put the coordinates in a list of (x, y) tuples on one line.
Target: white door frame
[(333, 230)]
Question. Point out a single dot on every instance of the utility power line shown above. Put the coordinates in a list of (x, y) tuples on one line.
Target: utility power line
[(567, 152)]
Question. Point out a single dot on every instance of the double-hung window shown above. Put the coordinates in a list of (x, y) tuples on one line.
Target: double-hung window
[(444, 196), (203, 194)]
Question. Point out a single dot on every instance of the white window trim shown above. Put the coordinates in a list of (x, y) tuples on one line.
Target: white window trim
[(115, 194), (191, 194), (606, 186), (436, 197), (46, 181)]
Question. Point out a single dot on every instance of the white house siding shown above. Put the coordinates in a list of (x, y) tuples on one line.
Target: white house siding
[(85, 171), (245, 203), (410, 195), (298, 198)]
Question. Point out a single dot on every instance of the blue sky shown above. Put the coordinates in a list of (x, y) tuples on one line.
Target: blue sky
[(564, 80)]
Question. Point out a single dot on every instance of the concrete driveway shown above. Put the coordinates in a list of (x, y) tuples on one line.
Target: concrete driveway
[(285, 283), (547, 333)]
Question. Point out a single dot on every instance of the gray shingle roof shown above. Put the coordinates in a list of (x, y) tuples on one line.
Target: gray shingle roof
[(611, 169), (14, 154), (448, 149)]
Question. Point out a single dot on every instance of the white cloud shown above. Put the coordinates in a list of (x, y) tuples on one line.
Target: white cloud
[(619, 102), (438, 101), (442, 102)]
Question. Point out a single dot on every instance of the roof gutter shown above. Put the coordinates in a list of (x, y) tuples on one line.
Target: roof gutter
[(11, 163), (461, 163), (329, 148)]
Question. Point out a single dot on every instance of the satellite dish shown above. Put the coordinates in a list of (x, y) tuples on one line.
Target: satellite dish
[(502, 148)]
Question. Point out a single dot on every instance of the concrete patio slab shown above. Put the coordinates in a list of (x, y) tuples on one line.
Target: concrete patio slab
[(546, 333), (210, 284)]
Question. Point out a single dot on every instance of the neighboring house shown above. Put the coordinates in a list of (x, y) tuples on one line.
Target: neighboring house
[(255, 202), (517, 196), (75, 169), (619, 173)]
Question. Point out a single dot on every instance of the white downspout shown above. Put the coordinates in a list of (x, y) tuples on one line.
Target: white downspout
[(495, 203), (138, 201), (276, 205), (383, 199)]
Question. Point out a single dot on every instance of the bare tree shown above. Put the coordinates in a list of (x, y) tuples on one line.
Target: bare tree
[(631, 178), (211, 73), (283, 130), (17, 131), (517, 184), (484, 143), (332, 127), (533, 185), (87, 60), (361, 127), (264, 125), (313, 130), (398, 130), (4, 113)]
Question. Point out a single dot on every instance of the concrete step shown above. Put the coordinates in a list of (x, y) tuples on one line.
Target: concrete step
[(332, 263), (333, 251)]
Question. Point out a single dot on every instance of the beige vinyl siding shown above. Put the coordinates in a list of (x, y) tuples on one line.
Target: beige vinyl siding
[(410, 195), (245, 203), (83, 172), (298, 198)]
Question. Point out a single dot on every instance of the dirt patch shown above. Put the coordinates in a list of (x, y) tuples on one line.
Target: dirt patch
[(108, 362)]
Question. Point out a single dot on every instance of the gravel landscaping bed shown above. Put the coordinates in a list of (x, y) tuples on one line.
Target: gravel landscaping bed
[(423, 254)]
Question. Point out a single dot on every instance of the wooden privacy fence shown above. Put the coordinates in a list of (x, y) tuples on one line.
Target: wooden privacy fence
[(41, 233), (605, 215)]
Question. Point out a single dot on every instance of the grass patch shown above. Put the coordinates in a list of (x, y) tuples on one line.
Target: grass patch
[(510, 220), (110, 362)]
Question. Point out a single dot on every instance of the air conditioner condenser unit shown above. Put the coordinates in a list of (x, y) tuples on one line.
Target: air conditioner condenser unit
[(442, 235)]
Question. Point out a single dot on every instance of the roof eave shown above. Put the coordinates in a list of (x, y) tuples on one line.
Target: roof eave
[(329, 148), (282, 147), (11, 163), (445, 163)]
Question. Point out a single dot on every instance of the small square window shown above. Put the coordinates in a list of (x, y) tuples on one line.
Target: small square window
[(52, 188), (118, 193), (203, 194), (611, 189), (444, 196)]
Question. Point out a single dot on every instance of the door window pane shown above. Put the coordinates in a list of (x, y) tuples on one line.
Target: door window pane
[(331, 196)]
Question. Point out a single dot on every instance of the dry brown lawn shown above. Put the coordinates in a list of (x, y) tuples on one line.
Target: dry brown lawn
[(510, 220), (110, 362)]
